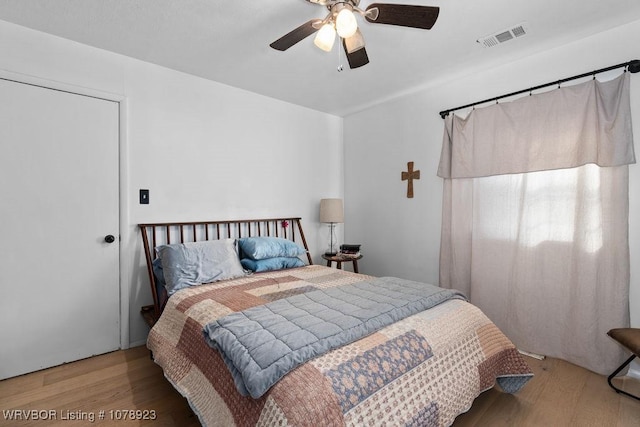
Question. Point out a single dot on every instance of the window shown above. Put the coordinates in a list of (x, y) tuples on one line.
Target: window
[(541, 207)]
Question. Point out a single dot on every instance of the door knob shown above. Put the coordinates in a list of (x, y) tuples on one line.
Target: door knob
[(109, 238)]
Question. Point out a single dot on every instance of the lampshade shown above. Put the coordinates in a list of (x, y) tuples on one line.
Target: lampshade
[(346, 24), (325, 37), (331, 210)]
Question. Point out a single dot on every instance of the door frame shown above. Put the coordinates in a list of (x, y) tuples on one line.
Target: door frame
[(123, 177)]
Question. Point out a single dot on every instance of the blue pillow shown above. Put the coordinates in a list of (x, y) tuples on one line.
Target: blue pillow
[(258, 248), (195, 263), (269, 264)]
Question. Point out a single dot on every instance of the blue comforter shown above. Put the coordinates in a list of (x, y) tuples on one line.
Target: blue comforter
[(262, 344)]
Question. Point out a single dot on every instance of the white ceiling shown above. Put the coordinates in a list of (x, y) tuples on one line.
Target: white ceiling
[(228, 41)]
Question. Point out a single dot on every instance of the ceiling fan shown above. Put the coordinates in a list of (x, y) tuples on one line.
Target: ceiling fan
[(342, 20)]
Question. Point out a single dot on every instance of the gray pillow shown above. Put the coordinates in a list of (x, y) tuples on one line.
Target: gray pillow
[(161, 285), (195, 263)]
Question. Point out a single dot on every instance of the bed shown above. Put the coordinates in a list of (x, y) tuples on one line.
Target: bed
[(422, 370)]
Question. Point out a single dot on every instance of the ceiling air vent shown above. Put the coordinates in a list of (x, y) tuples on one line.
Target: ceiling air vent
[(504, 35)]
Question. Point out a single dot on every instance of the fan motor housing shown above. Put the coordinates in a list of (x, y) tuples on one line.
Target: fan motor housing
[(330, 3)]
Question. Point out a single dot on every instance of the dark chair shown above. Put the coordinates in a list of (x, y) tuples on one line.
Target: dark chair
[(629, 338)]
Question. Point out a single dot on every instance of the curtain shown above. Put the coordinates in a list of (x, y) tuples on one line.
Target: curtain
[(535, 218)]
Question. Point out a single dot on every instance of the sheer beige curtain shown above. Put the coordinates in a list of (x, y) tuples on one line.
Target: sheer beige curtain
[(535, 218)]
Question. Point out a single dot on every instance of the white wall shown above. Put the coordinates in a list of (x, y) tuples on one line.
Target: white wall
[(203, 149), (401, 236)]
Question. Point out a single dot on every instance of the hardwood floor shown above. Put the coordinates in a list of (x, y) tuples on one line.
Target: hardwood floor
[(560, 394), (122, 380)]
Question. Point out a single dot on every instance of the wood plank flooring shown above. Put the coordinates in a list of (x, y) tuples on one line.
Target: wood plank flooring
[(119, 381), (560, 394)]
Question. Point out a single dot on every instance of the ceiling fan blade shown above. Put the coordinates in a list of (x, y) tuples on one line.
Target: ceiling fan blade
[(357, 58), (355, 42), (299, 34), (403, 15)]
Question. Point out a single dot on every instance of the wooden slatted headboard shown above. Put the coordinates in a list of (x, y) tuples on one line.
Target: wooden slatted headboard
[(164, 233)]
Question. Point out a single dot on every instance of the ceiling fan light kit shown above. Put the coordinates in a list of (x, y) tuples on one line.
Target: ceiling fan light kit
[(325, 38), (342, 20), (346, 24)]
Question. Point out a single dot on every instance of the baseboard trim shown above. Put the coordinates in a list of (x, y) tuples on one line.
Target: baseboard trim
[(137, 343)]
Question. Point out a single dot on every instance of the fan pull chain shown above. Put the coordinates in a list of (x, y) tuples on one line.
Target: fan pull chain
[(340, 66)]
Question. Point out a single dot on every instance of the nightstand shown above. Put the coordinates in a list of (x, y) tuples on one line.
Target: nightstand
[(339, 259)]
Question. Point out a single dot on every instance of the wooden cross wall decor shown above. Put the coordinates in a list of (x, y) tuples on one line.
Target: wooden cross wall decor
[(409, 176)]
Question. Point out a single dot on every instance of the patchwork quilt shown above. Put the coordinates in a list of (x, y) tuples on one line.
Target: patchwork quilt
[(423, 370), (262, 344)]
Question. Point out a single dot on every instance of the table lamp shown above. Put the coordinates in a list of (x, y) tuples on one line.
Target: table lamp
[(331, 212)]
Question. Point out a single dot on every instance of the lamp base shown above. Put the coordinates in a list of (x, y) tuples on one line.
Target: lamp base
[(332, 250)]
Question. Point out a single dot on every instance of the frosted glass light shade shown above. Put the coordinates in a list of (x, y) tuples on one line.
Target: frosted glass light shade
[(346, 24), (325, 37)]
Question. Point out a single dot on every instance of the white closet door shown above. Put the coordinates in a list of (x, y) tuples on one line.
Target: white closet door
[(59, 278)]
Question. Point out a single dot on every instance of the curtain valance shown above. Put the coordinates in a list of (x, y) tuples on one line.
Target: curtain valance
[(583, 123)]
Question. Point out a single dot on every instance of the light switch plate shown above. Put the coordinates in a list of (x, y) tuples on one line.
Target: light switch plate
[(144, 197)]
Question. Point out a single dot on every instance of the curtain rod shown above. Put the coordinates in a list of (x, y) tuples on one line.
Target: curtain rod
[(633, 66)]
